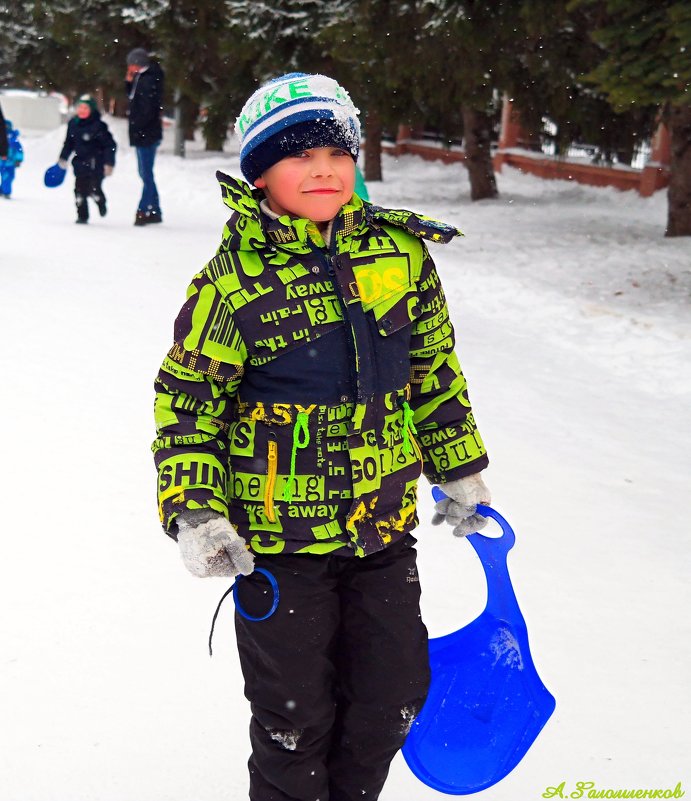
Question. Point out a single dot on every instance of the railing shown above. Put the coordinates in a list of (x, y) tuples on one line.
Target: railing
[(650, 174)]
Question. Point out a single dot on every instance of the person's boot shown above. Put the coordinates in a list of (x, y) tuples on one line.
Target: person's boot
[(141, 218), (82, 211), (154, 216), (101, 203)]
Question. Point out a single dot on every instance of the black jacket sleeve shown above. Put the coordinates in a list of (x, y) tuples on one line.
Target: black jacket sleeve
[(4, 146), (68, 145), (108, 146), (146, 96)]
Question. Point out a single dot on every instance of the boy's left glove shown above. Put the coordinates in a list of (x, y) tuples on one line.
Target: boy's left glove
[(210, 546), (458, 509)]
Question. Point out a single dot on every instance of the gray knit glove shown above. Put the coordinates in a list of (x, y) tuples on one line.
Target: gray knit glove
[(458, 509), (210, 546)]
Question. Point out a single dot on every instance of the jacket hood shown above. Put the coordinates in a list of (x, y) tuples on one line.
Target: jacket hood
[(249, 229)]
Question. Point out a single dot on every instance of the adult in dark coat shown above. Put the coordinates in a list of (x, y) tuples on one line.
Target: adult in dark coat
[(92, 143), (144, 85), (3, 136)]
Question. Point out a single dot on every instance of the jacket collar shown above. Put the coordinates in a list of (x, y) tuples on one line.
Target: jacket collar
[(249, 228)]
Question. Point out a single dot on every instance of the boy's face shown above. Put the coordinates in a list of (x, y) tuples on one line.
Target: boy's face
[(313, 183), (83, 110)]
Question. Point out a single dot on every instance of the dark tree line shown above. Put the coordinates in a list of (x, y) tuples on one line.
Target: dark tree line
[(603, 72)]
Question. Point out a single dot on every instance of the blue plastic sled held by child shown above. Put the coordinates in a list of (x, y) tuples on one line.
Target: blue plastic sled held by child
[(54, 176), (486, 703)]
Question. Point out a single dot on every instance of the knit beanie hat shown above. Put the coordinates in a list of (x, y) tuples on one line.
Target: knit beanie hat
[(138, 58), (291, 113), (89, 100)]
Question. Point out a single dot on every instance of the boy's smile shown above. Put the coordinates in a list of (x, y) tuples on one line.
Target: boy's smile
[(313, 183)]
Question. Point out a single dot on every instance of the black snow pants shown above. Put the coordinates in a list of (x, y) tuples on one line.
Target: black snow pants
[(88, 186), (336, 676)]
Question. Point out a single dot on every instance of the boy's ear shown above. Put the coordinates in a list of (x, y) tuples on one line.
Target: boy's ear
[(260, 183)]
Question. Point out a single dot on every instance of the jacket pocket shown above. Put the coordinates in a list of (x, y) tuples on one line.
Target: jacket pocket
[(397, 311), (270, 484)]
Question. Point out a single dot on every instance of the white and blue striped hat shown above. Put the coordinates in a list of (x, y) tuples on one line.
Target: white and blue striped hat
[(295, 112)]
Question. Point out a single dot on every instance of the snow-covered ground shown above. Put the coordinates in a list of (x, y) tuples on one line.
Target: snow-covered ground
[(573, 324)]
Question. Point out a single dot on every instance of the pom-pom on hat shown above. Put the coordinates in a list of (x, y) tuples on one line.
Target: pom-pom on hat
[(138, 58), (89, 100), (291, 113)]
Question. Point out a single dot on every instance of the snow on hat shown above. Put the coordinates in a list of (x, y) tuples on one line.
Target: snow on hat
[(295, 112), (138, 58), (89, 100)]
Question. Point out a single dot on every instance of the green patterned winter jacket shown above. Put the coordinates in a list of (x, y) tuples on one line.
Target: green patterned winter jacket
[(309, 386)]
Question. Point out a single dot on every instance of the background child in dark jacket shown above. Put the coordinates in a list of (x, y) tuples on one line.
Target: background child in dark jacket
[(89, 138), (15, 156)]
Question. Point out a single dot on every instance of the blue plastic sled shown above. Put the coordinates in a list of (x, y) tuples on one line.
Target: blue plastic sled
[(54, 176), (486, 703)]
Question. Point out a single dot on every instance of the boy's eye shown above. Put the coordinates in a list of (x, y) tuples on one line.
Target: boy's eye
[(305, 154)]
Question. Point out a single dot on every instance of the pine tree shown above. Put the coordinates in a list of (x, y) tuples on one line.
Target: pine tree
[(62, 46), (467, 48), (547, 82), (373, 45), (646, 62), (190, 36), (280, 36)]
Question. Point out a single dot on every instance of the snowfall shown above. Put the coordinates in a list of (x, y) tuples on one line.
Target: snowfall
[(572, 319)]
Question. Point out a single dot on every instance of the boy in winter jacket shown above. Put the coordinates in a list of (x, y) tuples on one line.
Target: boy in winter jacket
[(89, 138), (15, 156), (311, 380)]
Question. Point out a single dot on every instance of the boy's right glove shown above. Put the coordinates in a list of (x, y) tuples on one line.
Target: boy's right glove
[(458, 509), (210, 546)]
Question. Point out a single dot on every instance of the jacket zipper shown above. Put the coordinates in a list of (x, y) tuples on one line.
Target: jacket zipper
[(270, 484), (328, 260)]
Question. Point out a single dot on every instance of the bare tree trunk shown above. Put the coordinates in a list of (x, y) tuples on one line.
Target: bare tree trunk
[(215, 128), (117, 105), (179, 145), (679, 192), (190, 113), (477, 130), (373, 134)]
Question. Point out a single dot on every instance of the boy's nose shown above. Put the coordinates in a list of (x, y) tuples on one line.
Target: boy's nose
[(321, 166)]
